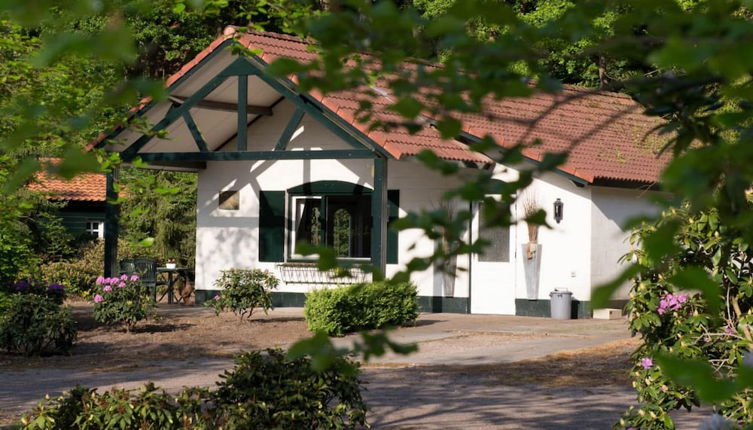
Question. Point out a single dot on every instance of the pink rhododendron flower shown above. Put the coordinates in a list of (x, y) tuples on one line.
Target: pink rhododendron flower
[(121, 285), (134, 278), (647, 362), (217, 297), (107, 288), (98, 298), (729, 330), (670, 302), (100, 280), (124, 277)]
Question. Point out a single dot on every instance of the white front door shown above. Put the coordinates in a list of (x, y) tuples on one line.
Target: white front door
[(493, 273)]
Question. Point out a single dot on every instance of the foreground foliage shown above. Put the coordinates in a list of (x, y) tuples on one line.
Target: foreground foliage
[(264, 390), (714, 329), (338, 311), (243, 290)]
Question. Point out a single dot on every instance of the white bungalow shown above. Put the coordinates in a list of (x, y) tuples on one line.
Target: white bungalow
[(277, 166)]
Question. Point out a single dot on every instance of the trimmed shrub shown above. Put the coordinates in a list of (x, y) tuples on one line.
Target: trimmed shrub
[(338, 311), (269, 390), (34, 324), (264, 390), (123, 301), (243, 290)]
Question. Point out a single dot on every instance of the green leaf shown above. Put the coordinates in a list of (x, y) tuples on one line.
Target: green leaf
[(698, 375)]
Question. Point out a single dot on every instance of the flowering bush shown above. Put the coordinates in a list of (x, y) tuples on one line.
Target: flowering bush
[(122, 300), (54, 291), (243, 290), (33, 324), (711, 328)]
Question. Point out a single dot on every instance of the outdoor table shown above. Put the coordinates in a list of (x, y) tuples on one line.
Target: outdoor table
[(173, 273)]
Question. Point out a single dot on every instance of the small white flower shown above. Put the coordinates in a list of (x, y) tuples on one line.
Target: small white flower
[(716, 422)]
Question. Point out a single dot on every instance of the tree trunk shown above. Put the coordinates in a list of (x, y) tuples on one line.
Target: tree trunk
[(603, 78)]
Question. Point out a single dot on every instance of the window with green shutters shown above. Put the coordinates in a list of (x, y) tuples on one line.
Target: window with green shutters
[(333, 213)]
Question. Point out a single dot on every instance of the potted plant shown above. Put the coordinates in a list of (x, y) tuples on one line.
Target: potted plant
[(532, 249), (170, 264)]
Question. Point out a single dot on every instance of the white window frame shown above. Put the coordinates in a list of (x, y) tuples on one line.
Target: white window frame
[(295, 221), (99, 231)]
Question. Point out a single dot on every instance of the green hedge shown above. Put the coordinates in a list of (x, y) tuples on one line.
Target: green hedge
[(338, 311)]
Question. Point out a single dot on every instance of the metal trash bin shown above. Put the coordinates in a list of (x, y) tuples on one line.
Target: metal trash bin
[(560, 304)]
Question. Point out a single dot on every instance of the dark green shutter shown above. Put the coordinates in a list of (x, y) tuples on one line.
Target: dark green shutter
[(271, 226), (393, 207)]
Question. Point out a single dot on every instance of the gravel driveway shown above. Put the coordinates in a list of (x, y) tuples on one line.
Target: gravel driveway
[(464, 376)]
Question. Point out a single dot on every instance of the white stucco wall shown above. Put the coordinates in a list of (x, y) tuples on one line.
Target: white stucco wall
[(229, 239), (612, 208), (566, 247), (577, 253)]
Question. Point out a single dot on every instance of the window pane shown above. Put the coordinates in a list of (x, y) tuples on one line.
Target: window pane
[(341, 233), (349, 225), (308, 225), (499, 239)]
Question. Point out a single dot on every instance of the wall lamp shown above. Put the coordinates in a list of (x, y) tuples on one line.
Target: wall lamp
[(558, 208)]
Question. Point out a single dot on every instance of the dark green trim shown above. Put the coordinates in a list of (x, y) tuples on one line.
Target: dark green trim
[(475, 139), (194, 129), (393, 201), (112, 213), (257, 155), (242, 107), (452, 305), (455, 305), (288, 300), (541, 308), (379, 219), (328, 187), (271, 226), (175, 84), (292, 126)]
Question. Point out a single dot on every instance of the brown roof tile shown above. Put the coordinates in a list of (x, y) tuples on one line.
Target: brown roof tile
[(605, 133), (89, 187)]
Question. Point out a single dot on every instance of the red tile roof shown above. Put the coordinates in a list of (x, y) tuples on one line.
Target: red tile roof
[(606, 133), (88, 187)]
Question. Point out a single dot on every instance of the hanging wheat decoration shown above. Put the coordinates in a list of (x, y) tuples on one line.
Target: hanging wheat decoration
[(530, 208)]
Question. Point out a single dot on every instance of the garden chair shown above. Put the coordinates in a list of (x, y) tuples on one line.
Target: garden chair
[(145, 268)]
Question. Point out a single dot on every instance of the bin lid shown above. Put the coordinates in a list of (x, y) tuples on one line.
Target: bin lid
[(563, 291)]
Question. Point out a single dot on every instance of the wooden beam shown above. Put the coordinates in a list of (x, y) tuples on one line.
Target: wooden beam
[(258, 155), (292, 126), (194, 129), (241, 140), (112, 213), (379, 218), (226, 107)]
